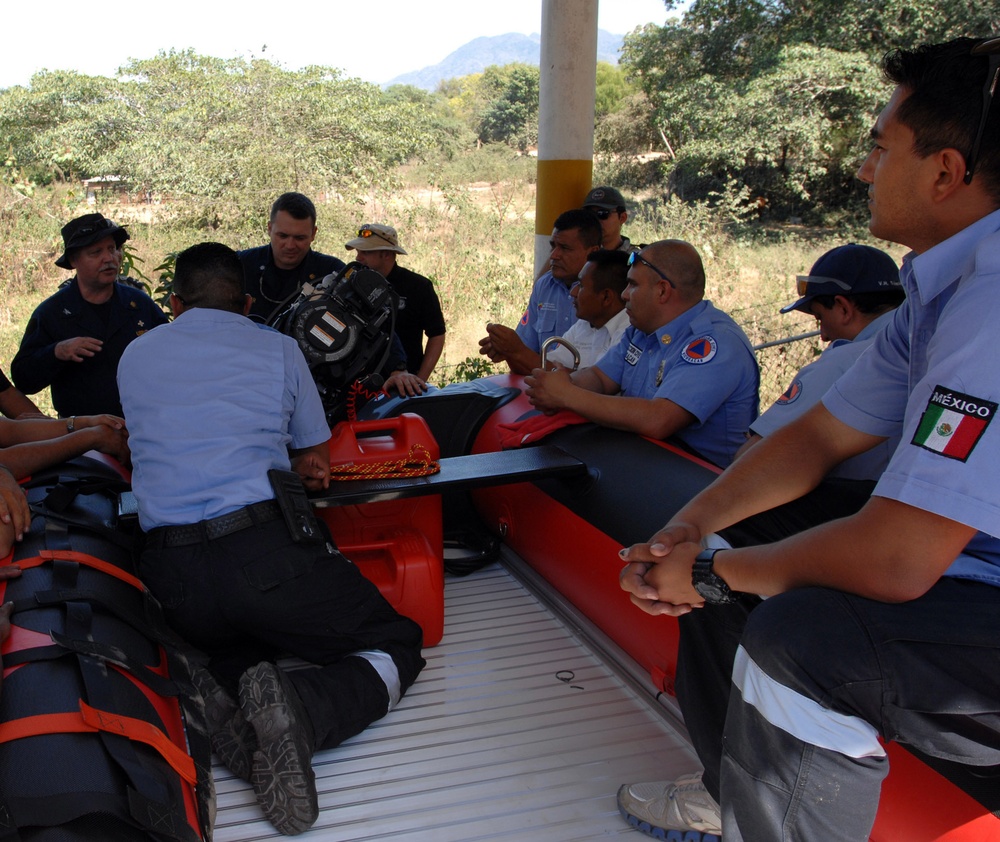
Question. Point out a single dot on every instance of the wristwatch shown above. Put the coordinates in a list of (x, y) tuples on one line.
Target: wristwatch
[(71, 424), (708, 583)]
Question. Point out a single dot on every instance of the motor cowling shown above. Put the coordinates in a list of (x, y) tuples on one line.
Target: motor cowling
[(344, 326)]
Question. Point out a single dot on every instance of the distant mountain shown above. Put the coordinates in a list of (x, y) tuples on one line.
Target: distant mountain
[(480, 53)]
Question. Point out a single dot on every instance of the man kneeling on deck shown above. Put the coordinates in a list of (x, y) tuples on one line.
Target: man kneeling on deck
[(236, 577)]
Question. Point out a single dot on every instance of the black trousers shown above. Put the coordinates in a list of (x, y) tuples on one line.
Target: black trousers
[(255, 595), (789, 738)]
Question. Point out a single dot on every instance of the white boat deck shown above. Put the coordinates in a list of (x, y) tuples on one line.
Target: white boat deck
[(516, 730)]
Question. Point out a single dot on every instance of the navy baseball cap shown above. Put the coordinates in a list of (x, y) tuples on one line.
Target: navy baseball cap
[(847, 270)]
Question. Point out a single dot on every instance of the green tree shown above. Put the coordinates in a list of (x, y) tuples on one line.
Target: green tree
[(611, 90), (776, 96), (510, 105)]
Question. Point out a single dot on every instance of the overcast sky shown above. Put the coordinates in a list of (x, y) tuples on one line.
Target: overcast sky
[(375, 41)]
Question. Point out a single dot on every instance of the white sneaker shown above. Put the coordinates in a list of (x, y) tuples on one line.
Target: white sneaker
[(660, 807)]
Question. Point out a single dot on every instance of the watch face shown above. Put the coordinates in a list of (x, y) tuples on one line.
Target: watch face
[(709, 584), (712, 592)]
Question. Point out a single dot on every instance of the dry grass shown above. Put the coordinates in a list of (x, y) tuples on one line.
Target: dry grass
[(475, 241)]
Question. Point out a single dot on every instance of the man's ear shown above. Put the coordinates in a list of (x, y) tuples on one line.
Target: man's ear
[(247, 303), (844, 309), (950, 176), (176, 305)]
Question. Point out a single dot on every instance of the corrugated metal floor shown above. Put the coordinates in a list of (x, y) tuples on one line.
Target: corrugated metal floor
[(514, 731)]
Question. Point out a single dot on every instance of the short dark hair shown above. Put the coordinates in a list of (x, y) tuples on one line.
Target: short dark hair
[(869, 303), (209, 275), (612, 270), (295, 205), (585, 221), (945, 103)]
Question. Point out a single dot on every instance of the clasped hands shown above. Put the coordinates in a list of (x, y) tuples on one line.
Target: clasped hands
[(657, 574)]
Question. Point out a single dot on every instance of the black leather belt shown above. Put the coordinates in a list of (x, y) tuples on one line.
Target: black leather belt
[(217, 527)]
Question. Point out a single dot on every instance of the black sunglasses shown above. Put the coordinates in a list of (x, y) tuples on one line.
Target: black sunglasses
[(990, 47), (603, 213), (635, 257)]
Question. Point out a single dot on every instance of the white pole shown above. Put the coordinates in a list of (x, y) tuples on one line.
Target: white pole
[(568, 76)]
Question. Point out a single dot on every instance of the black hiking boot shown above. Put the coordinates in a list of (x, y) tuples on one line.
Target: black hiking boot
[(282, 775), (233, 738)]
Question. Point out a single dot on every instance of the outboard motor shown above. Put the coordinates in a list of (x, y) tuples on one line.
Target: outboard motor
[(344, 326)]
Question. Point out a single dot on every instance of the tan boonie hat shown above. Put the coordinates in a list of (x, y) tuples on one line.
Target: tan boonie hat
[(373, 237)]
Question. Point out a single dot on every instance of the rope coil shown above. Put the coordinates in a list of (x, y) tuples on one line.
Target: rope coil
[(417, 463)]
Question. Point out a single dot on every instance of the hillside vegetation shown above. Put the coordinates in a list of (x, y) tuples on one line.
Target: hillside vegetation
[(737, 126)]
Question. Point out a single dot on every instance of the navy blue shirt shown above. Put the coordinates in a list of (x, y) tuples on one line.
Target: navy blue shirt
[(87, 387), (271, 287)]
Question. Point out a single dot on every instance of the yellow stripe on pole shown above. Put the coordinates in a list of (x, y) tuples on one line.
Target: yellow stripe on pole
[(561, 185)]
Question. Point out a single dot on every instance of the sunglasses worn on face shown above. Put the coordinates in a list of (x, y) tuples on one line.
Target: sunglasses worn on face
[(990, 47), (634, 258)]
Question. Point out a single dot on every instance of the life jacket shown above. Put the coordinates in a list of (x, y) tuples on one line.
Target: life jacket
[(101, 733)]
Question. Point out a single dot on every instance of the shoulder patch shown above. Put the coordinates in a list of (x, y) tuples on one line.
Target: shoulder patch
[(953, 423), (791, 393), (700, 351), (524, 318)]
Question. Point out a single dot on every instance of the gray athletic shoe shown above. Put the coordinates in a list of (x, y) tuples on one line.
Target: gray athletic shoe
[(664, 806), (233, 740), (282, 774)]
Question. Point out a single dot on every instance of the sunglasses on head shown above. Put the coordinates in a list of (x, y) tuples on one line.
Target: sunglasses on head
[(635, 257), (990, 47), (805, 284)]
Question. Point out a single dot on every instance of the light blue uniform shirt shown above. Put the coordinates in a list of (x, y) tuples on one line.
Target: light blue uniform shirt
[(704, 363), (212, 401), (812, 382), (933, 378), (550, 312)]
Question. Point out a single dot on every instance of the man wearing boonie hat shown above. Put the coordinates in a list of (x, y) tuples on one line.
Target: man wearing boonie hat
[(609, 206), (418, 312), (852, 291), (76, 336)]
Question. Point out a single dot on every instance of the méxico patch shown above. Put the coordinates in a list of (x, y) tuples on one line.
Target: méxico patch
[(953, 423)]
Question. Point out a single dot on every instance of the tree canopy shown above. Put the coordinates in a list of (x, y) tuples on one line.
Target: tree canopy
[(761, 105), (192, 125), (777, 96)]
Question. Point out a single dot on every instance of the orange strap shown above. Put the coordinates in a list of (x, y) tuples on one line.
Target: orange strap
[(417, 463), (80, 558), (91, 720)]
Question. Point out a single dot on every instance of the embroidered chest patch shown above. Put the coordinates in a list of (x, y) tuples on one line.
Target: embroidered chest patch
[(632, 354), (700, 351), (953, 423)]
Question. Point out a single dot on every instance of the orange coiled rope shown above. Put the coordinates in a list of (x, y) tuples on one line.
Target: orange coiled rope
[(417, 463)]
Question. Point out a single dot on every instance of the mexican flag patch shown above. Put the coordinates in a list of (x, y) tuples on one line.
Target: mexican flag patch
[(953, 422)]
